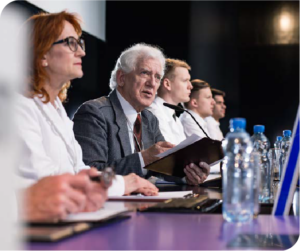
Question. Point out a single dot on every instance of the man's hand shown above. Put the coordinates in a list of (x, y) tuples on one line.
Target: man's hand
[(149, 155), (196, 175), (134, 183)]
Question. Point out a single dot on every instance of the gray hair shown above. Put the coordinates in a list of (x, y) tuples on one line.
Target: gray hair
[(129, 59)]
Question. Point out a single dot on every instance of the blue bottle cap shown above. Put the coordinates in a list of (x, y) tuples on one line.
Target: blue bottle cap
[(287, 133), (279, 138), (258, 128), (237, 123)]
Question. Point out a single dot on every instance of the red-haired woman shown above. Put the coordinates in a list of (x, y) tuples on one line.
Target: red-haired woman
[(50, 147)]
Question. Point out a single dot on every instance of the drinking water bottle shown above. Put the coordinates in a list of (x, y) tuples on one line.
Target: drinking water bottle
[(237, 173)]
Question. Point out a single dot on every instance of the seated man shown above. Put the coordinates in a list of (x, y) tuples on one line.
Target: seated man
[(175, 88), (213, 122), (201, 105), (117, 130)]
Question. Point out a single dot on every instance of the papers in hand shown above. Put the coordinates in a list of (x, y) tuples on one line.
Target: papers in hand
[(160, 197), (188, 141), (108, 211)]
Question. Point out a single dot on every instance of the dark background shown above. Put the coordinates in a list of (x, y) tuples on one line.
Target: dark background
[(234, 46)]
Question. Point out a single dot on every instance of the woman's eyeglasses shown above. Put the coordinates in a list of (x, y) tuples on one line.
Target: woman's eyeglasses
[(72, 43)]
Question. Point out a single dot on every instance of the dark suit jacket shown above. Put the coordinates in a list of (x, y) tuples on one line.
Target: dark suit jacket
[(100, 127)]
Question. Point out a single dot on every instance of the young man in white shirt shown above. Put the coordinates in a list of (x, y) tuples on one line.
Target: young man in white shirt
[(201, 105), (175, 88), (213, 122)]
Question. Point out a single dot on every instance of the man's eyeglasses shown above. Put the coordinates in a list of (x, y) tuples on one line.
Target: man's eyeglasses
[(72, 43)]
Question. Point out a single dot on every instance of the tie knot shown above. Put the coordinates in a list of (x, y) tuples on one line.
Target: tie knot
[(138, 121)]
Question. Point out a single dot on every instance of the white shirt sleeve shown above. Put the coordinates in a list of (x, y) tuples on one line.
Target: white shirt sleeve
[(118, 186)]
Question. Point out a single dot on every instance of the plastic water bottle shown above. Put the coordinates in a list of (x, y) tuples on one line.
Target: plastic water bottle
[(237, 173), (285, 145), (277, 146), (277, 143), (261, 144)]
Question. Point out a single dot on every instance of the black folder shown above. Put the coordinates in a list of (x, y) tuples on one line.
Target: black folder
[(205, 149)]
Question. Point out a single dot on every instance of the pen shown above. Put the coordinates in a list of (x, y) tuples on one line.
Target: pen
[(105, 178)]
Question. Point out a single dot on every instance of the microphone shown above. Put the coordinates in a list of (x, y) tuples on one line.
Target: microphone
[(178, 108)]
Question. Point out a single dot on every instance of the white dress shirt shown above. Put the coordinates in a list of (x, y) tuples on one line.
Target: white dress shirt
[(131, 115), (190, 126), (213, 127), (171, 130), (49, 145)]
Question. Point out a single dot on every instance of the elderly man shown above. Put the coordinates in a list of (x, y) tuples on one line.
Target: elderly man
[(213, 122), (175, 88), (117, 130)]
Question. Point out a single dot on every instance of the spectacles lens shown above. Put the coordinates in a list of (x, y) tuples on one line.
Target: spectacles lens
[(72, 44), (82, 44)]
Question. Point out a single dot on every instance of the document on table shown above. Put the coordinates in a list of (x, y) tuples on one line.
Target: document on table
[(109, 210), (160, 197)]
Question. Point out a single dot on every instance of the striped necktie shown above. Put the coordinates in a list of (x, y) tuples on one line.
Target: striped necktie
[(137, 133)]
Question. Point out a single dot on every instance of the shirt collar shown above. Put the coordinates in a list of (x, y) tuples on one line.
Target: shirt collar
[(211, 119), (128, 110), (200, 120)]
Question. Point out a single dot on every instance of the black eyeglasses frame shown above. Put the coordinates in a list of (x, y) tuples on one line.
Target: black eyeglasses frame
[(80, 41)]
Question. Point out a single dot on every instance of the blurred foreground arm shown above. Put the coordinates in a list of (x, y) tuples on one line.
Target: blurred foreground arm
[(54, 197)]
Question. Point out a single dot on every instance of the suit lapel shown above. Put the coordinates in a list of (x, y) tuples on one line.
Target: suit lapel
[(147, 135), (121, 122)]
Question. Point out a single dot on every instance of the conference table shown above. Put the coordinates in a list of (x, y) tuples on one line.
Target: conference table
[(182, 231)]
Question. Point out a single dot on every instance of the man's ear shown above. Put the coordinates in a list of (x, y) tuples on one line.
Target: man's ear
[(193, 102), (167, 84), (120, 78)]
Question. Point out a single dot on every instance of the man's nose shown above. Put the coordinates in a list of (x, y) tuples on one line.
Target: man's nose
[(152, 81)]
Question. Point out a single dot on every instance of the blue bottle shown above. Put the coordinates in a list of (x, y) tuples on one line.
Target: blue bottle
[(285, 145), (261, 144), (237, 173)]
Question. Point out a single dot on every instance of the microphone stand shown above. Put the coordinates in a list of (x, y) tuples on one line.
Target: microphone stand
[(175, 107)]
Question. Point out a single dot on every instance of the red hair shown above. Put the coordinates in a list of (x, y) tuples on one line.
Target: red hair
[(46, 28)]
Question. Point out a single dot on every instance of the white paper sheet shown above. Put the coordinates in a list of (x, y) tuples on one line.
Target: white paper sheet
[(161, 196), (109, 210), (213, 176), (188, 141)]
